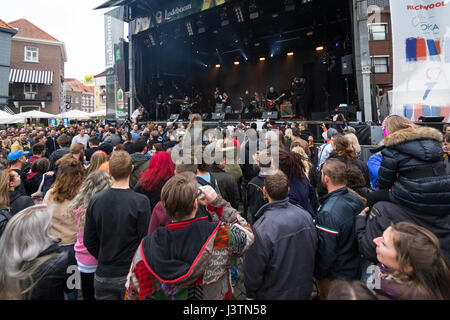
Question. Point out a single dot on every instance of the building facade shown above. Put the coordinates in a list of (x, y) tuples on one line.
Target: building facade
[(100, 91), (380, 44), (37, 70), (6, 33), (78, 96)]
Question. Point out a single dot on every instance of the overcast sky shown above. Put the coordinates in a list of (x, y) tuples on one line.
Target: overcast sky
[(72, 22)]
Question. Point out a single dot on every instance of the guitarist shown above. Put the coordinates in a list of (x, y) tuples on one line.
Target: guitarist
[(272, 101)]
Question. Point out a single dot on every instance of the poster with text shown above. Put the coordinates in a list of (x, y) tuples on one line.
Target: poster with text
[(421, 45)]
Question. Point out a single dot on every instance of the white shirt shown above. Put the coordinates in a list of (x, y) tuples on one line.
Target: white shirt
[(136, 113)]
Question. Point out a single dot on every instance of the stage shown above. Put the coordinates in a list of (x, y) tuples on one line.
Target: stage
[(247, 46)]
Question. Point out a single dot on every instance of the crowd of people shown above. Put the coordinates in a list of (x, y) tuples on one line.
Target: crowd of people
[(94, 212)]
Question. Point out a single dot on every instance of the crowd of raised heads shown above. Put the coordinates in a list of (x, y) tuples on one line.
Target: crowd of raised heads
[(248, 211)]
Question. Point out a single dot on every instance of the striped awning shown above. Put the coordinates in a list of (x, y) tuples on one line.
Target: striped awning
[(31, 76)]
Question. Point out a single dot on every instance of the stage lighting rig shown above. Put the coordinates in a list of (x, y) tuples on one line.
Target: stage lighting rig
[(239, 14), (201, 26), (289, 5), (224, 17), (306, 1), (253, 9), (189, 28)]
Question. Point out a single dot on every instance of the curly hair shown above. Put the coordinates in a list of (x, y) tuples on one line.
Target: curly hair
[(69, 169), (291, 164), (95, 182)]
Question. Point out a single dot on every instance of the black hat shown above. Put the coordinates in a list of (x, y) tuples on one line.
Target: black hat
[(107, 147)]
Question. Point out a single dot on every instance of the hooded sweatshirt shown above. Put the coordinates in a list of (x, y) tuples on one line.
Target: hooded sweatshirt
[(190, 259)]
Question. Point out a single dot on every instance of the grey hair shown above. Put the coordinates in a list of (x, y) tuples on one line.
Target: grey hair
[(96, 181), (25, 237)]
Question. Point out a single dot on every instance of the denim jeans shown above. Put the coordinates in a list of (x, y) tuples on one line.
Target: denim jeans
[(109, 288)]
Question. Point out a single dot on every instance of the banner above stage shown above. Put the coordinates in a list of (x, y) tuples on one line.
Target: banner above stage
[(421, 46), (174, 11)]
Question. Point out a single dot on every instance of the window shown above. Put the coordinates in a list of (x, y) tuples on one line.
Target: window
[(381, 64), (77, 100), (83, 101), (92, 102), (378, 32), (29, 108), (31, 54), (104, 99), (30, 88)]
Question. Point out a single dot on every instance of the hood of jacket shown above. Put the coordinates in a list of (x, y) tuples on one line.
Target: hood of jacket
[(14, 195), (423, 143), (172, 253)]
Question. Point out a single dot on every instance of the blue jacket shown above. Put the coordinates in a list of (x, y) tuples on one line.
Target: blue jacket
[(374, 165), (302, 194), (338, 255), (280, 263)]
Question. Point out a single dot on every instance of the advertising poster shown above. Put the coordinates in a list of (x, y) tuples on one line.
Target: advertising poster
[(421, 45)]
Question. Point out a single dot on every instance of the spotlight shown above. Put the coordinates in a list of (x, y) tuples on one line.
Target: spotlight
[(224, 17), (217, 65), (290, 54), (306, 1), (253, 9), (262, 59), (201, 26), (236, 63), (319, 48)]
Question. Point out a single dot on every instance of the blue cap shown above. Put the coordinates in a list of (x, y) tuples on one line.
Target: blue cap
[(15, 155)]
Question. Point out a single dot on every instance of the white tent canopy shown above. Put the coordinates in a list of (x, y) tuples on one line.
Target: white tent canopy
[(6, 118), (99, 113), (35, 114), (74, 115)]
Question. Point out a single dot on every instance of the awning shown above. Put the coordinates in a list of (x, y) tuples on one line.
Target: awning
[(31, 76)]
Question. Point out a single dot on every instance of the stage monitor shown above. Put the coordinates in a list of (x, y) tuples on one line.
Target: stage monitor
[(218, 116), (271, 115), (431, 119), (173, 117)]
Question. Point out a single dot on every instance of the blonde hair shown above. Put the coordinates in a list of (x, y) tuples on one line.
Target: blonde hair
[(395, 123), (306, 163), (4, 188), (353, 139), (97, 159)]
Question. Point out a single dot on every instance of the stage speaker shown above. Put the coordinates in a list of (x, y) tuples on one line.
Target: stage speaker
[(271, 115), (431, 119), (218, 116), (347, 66), (173, 117), (320, 116)]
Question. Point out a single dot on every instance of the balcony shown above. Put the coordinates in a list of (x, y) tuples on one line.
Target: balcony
[(32, 97)]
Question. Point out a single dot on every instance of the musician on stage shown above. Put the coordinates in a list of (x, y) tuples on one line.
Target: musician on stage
[(160, 109), (168, 104), (298, 90), (272, 101), (218, 98), (186, 108)]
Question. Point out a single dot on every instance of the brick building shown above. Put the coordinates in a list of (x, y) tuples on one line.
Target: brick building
[(37, 70), (78, 96), (100, 91), (380, 44)]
